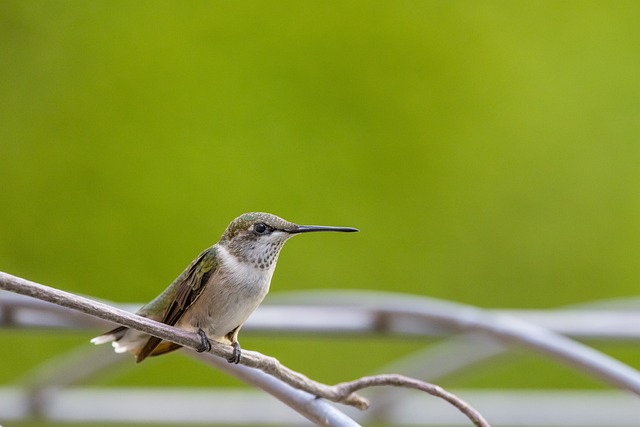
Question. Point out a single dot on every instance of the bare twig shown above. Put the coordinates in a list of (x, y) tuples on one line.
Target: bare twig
[(342, 393), (339, 391), (347, 388)]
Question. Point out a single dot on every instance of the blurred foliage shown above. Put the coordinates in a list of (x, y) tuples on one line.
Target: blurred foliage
[(487, 150)]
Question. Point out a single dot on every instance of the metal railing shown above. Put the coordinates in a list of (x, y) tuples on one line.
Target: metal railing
[(54, 389)]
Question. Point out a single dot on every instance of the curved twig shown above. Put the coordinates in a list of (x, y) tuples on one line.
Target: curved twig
[(347, 388)]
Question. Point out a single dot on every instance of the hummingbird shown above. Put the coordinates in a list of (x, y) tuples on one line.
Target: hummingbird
[(219, 290)]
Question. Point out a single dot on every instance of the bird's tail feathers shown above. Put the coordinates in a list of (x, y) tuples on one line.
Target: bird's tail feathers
[(113, 335), (135, 342)]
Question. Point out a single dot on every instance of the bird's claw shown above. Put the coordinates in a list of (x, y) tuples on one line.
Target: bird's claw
[(205, 344), (237, 353)]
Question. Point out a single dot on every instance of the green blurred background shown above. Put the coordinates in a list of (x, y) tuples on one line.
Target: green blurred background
[(488, 151)]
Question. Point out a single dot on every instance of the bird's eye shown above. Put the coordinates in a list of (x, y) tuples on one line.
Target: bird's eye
[(260, 228)]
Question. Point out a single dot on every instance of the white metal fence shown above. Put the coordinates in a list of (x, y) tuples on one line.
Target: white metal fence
[(55, 391)]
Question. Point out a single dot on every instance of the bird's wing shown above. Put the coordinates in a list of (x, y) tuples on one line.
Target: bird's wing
[(183, 292)]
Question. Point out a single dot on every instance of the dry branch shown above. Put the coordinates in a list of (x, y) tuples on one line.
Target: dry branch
[(342, 393)]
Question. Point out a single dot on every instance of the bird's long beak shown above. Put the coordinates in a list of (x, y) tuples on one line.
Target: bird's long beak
[(311, 228)]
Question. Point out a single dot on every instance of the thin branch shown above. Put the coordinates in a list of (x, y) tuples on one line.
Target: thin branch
[(342, 393), (397, 380), (339, 391)]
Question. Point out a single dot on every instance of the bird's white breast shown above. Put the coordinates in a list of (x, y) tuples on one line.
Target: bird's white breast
[(232, 294)]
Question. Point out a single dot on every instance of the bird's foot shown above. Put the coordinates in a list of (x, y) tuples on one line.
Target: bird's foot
[(237, 353), (205, 344)]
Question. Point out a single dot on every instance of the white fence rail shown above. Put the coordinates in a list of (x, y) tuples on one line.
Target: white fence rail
[(54, 393)]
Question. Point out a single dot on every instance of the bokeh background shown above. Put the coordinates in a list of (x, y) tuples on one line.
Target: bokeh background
[(488, 151)]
